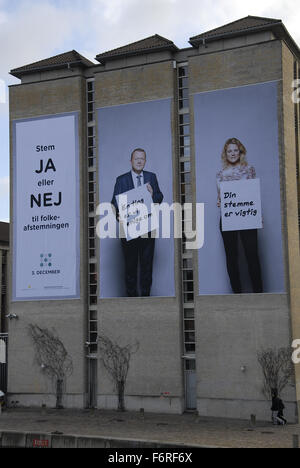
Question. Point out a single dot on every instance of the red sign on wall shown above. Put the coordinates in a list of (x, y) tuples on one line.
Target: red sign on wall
[(40, 443)]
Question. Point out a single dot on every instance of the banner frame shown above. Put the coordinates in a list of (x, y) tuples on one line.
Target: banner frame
[(14, 297)]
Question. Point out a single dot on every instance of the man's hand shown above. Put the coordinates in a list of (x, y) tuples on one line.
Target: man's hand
[(150, 189)]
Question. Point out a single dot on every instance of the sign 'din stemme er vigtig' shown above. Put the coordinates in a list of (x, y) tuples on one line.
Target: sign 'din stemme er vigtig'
[(241, 205)]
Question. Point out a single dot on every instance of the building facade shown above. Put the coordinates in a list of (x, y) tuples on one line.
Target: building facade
[(198, 341), (4, 252), (4, 262)]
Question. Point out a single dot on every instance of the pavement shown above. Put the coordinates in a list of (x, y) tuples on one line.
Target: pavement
[(188, 428)]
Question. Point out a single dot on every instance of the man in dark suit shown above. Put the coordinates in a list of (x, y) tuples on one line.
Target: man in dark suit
[(141, 250)]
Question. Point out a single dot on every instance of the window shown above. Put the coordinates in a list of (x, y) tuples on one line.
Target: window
[(190, 364), (189, 313), (90, 101), (183, 87)]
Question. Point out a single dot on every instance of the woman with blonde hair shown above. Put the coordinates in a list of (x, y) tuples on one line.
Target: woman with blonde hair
[(235, 167)]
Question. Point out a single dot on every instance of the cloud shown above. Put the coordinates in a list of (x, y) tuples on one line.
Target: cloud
[(116, 23), (3, 18), (2, 92), (4, 187), (33, 31), (4, 198)]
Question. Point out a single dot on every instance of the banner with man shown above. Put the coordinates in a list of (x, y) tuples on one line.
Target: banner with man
[(137, 262)]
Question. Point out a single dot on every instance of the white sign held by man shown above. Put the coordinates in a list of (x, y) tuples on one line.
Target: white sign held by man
[(137, 212), (241, 205)]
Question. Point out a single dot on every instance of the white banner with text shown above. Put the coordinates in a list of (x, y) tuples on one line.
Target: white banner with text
[(46, 208)]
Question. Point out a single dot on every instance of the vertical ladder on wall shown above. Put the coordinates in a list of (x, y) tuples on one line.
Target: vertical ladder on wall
[(187, 269), (92, 318)]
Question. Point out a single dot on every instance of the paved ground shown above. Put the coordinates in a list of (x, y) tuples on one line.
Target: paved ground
[(186, 428)]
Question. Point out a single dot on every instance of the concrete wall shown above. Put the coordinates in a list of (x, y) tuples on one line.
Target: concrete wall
[(235, 67), (292, 201), (30, 440), (134, 84), (156, 368), (231, 329), (26, 382), (235, 42)]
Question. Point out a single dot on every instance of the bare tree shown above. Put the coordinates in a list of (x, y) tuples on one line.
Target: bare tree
[(116, 360), (52, 357), (277, 367)]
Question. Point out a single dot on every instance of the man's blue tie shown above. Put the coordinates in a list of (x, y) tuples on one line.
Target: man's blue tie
[(139, 180)]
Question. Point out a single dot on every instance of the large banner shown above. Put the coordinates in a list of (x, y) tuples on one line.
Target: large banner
[(46, 208), (237, 174), (135, 171)]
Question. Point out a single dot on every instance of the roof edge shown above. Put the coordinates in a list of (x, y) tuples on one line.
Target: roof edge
[(35, 67), (113, 54), (278, 28), (195, 41), (19, 73), (107, 58)]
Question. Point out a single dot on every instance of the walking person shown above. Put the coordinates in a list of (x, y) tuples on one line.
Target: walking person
[(277, 409)]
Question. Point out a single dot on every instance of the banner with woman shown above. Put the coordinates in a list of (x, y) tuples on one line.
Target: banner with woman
[(237, 174)]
